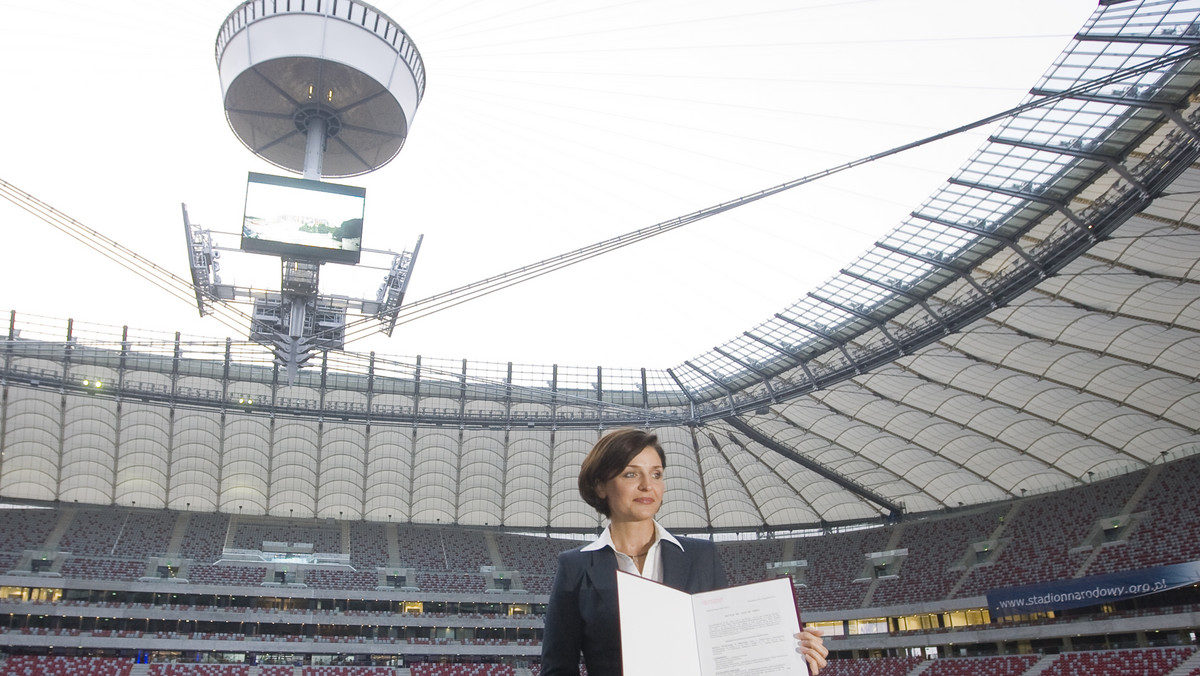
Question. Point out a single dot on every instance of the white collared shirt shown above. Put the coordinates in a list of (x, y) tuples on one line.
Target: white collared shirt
[(652, 567)]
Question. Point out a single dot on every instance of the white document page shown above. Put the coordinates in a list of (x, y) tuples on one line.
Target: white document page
[(740, 631), (749, 630), (658, 634)]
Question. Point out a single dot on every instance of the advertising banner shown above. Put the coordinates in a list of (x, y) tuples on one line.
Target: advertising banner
[(1090, 591)]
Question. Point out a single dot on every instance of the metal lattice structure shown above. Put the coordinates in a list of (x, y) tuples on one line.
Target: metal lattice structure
[(1033, 325)]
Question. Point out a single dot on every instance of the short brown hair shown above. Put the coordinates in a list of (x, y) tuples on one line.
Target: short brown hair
[(609, 457)]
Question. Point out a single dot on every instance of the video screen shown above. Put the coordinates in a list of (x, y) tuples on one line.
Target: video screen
[(299, 218)]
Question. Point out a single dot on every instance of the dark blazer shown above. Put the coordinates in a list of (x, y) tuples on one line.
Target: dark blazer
[(582, 616)]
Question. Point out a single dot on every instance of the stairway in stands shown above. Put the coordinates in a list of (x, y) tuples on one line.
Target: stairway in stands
[(1041, 665), (1131, 504), (1186, 666), (177, 534)]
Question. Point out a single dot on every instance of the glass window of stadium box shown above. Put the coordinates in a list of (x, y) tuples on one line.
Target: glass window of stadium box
[(870, 625)]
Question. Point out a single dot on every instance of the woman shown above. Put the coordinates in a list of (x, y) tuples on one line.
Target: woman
[(622, 478)]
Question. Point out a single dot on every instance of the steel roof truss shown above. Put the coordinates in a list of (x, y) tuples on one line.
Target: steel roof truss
[(1107, 160), (840, 479), (716, 381), (861, 315), (913, 298), (773, 346), (961, 274), (765, 380), (1007, 241)]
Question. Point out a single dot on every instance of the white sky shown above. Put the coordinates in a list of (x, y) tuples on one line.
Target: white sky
[(546, 126)]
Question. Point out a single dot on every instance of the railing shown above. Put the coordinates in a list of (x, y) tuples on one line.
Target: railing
[(351, 11)]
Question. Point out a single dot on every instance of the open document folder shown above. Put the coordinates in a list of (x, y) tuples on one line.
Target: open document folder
[(745, 630)]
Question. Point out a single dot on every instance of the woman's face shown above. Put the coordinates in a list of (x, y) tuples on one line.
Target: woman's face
[(637, 492)]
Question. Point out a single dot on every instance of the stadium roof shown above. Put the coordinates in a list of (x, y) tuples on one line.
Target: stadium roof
[(1031, 325)]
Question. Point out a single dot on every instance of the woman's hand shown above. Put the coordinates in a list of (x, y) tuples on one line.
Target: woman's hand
[(812, 646)]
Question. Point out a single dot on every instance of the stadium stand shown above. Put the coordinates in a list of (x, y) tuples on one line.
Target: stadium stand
[(199, 670), (423, 548), (462, 670), (252, 536), (936, 549), (28, 532), (747, 561), (204, 536), (341, 579), (347, 671), (94, 533), (834, 563), (879, 666), (1134, 662), (1033, 552), (460, 583), (325, 613), (50, 665), (1010, 665), (465, 549), (103, 569), (1157, 512), (368, 545), (532, 556)]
